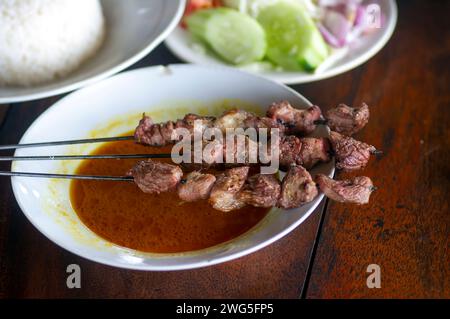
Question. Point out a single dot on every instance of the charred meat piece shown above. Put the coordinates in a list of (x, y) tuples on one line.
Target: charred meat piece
[(348, 120), (156, 134), (155, 177), (260, 191), (306, 151), (356, 190), (213, 153), (290, 147), (205, 153), (297, 188), (196, 186), (142, 134), (350, 154), (224, 193), (313, 151), (257, 122), (161, 134), (242, 119), (240, 150), (297, 121), (205, 121), (232, 119)]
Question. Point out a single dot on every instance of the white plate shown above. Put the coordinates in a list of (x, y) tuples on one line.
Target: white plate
[(164, 93), (134, 28), (181, 44)]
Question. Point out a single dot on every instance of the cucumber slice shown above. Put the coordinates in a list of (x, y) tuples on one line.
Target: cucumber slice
[(234, 36), (250, 7), (293, 40)]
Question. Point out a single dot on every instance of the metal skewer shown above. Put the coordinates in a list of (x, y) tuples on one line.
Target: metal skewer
[(68, 176), (76, 157), (80, 157), (91, 140), (70, 142)]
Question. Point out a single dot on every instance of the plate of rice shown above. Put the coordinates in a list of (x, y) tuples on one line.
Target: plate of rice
[(50, 47)]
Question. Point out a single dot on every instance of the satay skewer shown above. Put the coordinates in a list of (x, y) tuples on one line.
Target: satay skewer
[(281, 115), (82, 157), (233, 189), (350, 154), (293, 150)]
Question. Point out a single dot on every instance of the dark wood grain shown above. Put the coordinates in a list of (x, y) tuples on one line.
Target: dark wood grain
[(405, 229)]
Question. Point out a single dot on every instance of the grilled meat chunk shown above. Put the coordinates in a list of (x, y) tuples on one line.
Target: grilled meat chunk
[(297, 188), (282, 116), (161, 134), (155, 177), (196, 186), (350, 154), (356, 190), (241, 150), (260, 191), (348, 120), (142, 134), (306, 151), (232, 119), (242, 119), (290, 147), (313, 151), (257, 122), (297, 121), (189, 120), (224, 193)]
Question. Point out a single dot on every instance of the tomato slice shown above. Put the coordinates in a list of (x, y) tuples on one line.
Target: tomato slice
[(194, 5)]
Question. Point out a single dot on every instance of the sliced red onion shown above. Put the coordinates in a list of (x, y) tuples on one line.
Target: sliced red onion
[(360, 16), (356, 32), (359, 24), (329, 37), (337, 25), (343, 21)]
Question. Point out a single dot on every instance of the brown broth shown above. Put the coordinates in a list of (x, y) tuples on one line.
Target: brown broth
[(122, 214)]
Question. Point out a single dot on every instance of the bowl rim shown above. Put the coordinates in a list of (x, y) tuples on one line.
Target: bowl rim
[(184, 266), (107, 73)]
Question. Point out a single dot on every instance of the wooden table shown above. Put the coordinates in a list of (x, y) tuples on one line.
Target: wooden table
[(405, 228)]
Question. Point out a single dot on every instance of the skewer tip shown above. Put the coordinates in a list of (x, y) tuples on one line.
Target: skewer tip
[(377, 152)]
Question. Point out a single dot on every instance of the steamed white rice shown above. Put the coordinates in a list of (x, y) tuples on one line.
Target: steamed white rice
[(42, 40)]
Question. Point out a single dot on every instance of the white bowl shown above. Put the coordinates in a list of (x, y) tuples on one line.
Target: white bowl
[(183, 46), (113, 107), (134, 28)]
